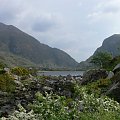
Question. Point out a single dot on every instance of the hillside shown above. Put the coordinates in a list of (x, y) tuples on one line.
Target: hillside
[(110, 45), (17, 43)]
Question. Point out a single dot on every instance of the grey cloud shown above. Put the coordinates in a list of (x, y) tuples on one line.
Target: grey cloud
[(6, 16), (40, 22), (9, 11), (43, 25)]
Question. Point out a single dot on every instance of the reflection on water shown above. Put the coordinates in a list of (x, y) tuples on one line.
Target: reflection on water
[(62, 73)]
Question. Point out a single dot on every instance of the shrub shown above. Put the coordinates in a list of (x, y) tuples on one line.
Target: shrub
[(54, 107), (99, 86), (84, 106), (2, 65), (101, 59), (20, 71), (6, 83)]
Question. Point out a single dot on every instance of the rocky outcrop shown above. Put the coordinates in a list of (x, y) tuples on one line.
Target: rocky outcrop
[(93, 75), (116, 68), (27, 88), (61, 87), (114, 88), (110, 75), (111, 87), (6, 103)]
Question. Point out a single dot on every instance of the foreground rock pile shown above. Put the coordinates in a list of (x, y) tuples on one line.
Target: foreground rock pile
[(26, 86)]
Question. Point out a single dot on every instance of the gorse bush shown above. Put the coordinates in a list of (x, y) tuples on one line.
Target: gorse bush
[(20, 71), (6, 83)]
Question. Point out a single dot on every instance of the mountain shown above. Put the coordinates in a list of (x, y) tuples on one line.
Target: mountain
[(110, 45), (23, 47)]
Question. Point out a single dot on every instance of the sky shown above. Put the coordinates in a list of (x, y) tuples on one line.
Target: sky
[(76, 26)]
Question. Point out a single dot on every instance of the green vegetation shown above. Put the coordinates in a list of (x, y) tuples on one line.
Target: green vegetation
[(99, 87), (101, 59), (83, 106), (6, 80), (6, 83), (114, 62), (2, 65), (20, 71), (105, 61)]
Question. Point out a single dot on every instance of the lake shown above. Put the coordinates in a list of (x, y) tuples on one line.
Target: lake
[(62, 73)]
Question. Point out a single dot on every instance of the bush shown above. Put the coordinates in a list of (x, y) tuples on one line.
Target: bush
[(99, 87), (20, 71), (6, 83), (2, 65), (83, 106), (101, 59), (54, 107)]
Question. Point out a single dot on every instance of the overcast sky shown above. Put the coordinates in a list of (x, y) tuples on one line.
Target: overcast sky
[(76, 26)]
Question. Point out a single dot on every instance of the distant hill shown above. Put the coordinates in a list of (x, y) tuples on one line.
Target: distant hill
[(110, 45), (18, 46)]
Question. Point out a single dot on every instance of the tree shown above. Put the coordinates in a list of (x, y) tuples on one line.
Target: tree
[(101, 59)]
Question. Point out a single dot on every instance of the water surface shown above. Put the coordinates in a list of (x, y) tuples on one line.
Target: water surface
[(62, 73)]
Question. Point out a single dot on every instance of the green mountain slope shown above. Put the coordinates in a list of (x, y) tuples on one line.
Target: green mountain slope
[(110, 45), (18, 43)]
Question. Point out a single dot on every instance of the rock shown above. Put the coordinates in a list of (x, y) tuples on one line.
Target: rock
[(47, 89), (110, 75), (3, 94), (16, 77), (114, 88), (69, 77), (116, 68), (7, 70), (6, 110), (79, 77), (67, 93), (6, 103), (18, 83), (93, 75)]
